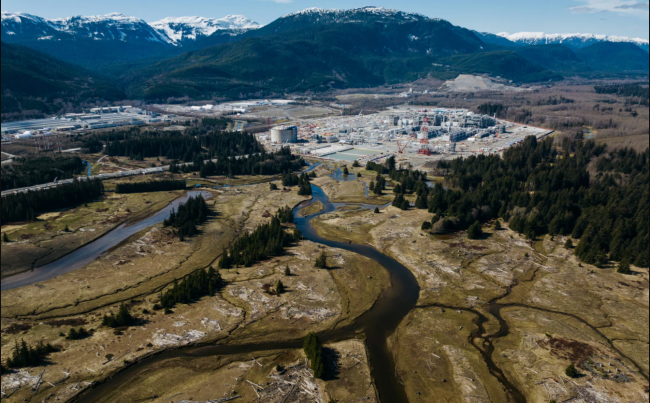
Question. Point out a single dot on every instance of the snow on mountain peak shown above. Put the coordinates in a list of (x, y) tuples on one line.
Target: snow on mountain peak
[(179, 28), (538, 38), (339, 14)]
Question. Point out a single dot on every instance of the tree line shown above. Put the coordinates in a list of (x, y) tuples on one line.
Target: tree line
[(31, 171), (314, 352), (24, 355), (28, 205), (175, 145), (267, 240), (540, 188), (193, 287), (189, 214), (150, 186)]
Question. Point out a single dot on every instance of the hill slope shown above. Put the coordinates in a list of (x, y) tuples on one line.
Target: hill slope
[(615, 57), (316, 50), (34, 83)]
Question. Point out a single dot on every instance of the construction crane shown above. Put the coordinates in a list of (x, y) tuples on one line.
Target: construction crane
[(401, 146)]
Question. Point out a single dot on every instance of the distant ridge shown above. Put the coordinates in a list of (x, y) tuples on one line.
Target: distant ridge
[(571, 40)]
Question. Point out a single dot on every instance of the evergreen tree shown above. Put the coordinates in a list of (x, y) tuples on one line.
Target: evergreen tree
[(314, 352), (122, 319), (371, 187), (405, 205), (624, 266), (5, 238), (273, 186), (421, 203), (475, 231), (397, 189), (287, 271), (267, 240), (356, 164), (279, 288), (376, 210), (571, 371), (346, 172), (24, 355), (390, 164), (568, 244), (321, 261), (358, 174), (193, 287), (497, 225)]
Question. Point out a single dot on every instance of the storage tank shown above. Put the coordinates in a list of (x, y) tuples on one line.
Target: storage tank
[(284, 134), (24, 135)]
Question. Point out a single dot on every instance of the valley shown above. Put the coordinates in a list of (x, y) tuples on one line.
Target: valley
[(326, 205)]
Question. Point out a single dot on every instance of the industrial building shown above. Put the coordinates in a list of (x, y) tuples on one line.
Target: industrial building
[(284, 134), (411, 133), (98, 118)]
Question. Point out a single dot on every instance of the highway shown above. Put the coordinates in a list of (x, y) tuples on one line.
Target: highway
[(121, 174)]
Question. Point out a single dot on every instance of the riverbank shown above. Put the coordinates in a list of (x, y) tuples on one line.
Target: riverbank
[(525, 344)]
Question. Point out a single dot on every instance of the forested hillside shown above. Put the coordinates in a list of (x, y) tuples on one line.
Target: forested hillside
[(34, 84)]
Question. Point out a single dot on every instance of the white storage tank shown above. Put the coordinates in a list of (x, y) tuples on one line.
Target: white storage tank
[(284, 134)]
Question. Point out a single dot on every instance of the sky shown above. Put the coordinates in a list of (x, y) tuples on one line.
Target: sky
[(609, 17)]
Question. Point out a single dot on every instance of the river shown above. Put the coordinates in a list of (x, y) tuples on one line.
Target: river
[(377, 324), (93, 250)]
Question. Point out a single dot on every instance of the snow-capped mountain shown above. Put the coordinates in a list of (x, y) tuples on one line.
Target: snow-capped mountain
[(181, 29), (20, 27), (571, 40), (362, 14)]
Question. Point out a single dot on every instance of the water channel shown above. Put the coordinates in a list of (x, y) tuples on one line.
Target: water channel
[(93, 250), (377, 324)]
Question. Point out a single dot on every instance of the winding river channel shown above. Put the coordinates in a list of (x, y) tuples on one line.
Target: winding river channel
[(93, 250), (377, 324)]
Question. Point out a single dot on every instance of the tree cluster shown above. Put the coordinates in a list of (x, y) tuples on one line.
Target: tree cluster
[(267, 240), (122, 319), (193, 287), (314, 352), (27, 206), (26, 172), (190, 214), (77, 334), (540, 188), (150, 186), (24, 355)]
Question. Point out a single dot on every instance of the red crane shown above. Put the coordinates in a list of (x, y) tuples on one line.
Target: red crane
[(401, 146)]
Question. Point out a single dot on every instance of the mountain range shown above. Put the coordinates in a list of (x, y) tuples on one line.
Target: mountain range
[(311, 50)]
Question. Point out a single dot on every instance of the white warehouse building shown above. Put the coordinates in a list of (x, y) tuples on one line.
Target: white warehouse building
[(284, 134)]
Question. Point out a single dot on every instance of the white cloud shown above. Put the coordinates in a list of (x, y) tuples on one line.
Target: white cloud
[(625, 7)]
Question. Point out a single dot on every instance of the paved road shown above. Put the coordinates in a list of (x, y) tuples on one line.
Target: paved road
[(121, 174)]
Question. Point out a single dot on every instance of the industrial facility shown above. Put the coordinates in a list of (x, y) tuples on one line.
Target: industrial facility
[(415, 134), (95, 118), (284, 134)]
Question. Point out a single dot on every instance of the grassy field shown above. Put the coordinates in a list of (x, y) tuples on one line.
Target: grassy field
[(585, 306), (242, 312), (45, 240)]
